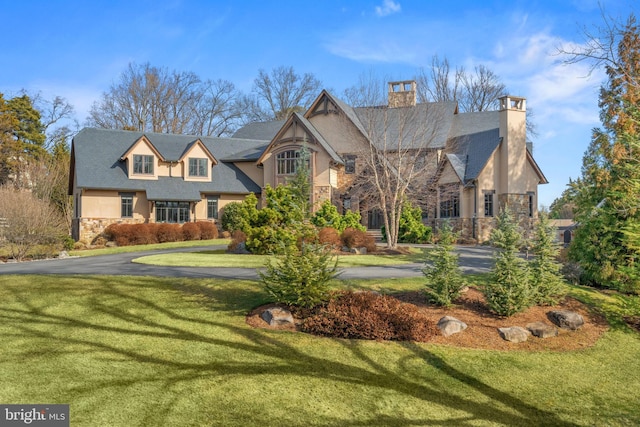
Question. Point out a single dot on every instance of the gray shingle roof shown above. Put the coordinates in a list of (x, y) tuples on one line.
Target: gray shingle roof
[(471, 152), (425, 125), (259, 130), (97, 162)]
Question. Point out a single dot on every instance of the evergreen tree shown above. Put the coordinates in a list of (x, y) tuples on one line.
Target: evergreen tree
[(509, 291), (444, 279), (546, 281), (607, 203)]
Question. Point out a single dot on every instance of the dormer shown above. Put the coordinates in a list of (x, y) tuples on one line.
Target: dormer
[(142, 159), (197, 162)]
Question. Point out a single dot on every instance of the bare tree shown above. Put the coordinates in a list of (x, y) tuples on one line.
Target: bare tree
[(474, 91), (153, 99), (600, 45), (26, 222), (439, 83), (278, 94), (398, 154)]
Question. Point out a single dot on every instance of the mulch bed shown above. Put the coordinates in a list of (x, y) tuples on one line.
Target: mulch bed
[(482, 325)]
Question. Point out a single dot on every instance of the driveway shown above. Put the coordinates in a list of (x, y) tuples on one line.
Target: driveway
[(473, 259)]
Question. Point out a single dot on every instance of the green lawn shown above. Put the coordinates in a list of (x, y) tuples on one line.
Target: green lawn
[(127, 351), (222, 259)]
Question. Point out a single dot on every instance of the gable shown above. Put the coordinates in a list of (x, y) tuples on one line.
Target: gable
[(297, 131)]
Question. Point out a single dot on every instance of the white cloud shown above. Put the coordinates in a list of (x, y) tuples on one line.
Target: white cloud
[(388, 7)]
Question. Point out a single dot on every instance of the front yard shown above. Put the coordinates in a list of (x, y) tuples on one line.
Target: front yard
[(153, 351)]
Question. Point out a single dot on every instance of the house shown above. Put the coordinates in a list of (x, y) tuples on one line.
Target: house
[(476, 163)]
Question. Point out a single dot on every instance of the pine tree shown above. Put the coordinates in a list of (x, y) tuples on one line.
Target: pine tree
[(509, 291), (444, 279), (608, 202), (546, 280)]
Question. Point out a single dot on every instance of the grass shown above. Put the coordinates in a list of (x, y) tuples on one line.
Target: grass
[(141, 351), (151, 247), (222, 259)]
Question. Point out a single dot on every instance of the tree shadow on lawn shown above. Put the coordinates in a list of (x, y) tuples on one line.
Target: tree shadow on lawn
[(267, 355)]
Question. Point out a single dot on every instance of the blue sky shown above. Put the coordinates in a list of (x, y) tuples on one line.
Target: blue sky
[(77, 49)]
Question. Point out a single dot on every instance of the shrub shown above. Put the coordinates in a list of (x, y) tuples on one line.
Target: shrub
[(351, 219), (168, 233), (301, 276), (353, 238), (367, 315), (444, 279), (330, 237), (271, 240), (328, 216), (191, 231), (410, 227), (508, 292), (240, 215), (208, 230)]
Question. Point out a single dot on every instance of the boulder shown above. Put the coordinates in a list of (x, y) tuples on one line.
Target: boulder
[(359, 251), (514, 334), (566, 319), (542, 330), (449, 325), (277, 316)]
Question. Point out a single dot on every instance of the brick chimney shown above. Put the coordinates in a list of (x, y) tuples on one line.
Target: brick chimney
[(402, 94)]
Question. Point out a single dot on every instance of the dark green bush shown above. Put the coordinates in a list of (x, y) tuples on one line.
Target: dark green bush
[(411, 229), (300, 277)]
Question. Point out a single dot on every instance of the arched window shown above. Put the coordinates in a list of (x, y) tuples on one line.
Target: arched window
[(287, 161)]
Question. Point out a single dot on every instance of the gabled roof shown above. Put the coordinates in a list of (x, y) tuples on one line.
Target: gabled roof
[(142, 140), (470, 153), (96, 162), (198, 142), (310, 129)]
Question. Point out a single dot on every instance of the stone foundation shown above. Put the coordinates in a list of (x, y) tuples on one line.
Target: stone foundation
[(85, 230)]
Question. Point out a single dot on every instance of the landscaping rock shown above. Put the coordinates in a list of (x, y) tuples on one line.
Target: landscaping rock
[(542, 330), (449, 325), (515, 334), (566, 319), (239, 249), (63, 255), (276, 316), (359, 251)]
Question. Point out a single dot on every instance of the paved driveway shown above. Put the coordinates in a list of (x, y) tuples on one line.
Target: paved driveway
[(472, 260)]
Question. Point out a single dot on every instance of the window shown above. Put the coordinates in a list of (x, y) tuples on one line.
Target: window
[(449, 202), (173, 212), (126, 205), (488, 204), (287, 161), (531, 205), (350, 164), (212, 207), (197, 167), (142, 164), (346, 203)]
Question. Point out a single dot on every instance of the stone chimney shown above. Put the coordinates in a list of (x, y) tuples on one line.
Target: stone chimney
[(402, 94)]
